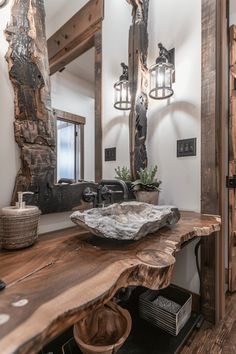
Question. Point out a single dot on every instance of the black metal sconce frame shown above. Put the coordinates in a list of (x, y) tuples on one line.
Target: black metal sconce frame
[(122, 100), (166, 56)]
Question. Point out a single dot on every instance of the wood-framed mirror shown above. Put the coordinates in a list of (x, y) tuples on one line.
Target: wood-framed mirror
[(35, 123), (80, 35)]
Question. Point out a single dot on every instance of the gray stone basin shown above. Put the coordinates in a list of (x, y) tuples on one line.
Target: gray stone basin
[(126, 221)]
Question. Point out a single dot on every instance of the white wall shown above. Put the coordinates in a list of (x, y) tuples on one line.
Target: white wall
[(170, 120), (232, 12), (9, 152), (179, 117), (115, 50), (72, 94), (175, 24)]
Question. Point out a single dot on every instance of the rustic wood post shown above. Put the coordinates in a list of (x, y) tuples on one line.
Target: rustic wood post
[(232, 159), (98, 105), (213, 121), (138, 47), (27, 59)]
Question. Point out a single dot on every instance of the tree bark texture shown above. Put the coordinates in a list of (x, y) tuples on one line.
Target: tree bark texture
[(138, 72), (27, 59)]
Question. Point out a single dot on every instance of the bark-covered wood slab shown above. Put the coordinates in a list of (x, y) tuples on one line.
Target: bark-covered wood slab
[(138, 80), (27, 59), (68, 273)]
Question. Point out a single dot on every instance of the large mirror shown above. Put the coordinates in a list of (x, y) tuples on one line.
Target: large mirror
[(73, 102), (57, 106), (72, 93)]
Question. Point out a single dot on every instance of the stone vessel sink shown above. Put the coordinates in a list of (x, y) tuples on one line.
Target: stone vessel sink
[(126, 221)]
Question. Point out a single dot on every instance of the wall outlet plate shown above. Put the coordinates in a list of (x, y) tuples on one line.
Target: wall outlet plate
[(110, 154), (187, 147)]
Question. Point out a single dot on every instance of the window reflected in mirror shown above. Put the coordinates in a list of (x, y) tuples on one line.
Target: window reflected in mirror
[(68, 150), (73, 99)]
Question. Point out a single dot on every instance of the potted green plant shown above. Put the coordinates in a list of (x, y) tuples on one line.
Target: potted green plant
[(123, 173), (146, 188)]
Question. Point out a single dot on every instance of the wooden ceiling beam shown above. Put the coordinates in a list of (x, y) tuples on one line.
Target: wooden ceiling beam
[(76, 36), (67, 55)]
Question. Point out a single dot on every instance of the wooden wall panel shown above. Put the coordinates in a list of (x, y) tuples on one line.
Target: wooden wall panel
[(213, 120), (232, 161), (98, 105)]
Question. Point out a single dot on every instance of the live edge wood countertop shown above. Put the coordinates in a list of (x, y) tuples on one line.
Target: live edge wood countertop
[(67, 273)]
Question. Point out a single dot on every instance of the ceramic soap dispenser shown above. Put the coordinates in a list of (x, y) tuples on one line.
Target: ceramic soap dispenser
[(19, 224)]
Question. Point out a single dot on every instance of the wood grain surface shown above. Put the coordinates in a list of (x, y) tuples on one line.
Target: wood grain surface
[(213, 157), (232, 161), (68, 273), (138, 80), (104, 330), (219, 339)]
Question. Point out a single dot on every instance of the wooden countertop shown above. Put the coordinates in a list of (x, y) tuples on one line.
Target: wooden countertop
[(67, 273)]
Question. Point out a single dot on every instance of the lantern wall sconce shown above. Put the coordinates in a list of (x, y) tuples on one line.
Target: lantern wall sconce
[(162, 74), (122, 91)]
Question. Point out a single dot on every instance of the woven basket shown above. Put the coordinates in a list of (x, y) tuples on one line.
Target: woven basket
[(18, 232)]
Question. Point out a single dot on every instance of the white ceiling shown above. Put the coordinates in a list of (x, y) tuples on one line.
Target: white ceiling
[(57, 13), (52, 6), (84, 66)]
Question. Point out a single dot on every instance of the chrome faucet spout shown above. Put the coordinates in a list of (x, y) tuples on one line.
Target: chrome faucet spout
[(117, 182)]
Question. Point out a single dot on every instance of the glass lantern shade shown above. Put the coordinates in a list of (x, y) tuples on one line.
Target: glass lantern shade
[(122, 95), (161, 79)]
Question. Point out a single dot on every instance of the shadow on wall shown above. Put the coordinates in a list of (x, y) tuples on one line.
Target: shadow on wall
[(162, 15), (116, 122), (156, 116)]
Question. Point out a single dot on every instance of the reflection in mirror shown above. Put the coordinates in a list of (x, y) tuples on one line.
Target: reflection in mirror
[(72, 94), (68, 150), (74, 98)]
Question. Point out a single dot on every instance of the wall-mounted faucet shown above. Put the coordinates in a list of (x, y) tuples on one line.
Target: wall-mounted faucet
[(98, 197), (117, 183), (104, 195)]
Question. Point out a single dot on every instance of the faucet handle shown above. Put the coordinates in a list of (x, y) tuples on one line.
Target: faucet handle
[(89, 195)]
